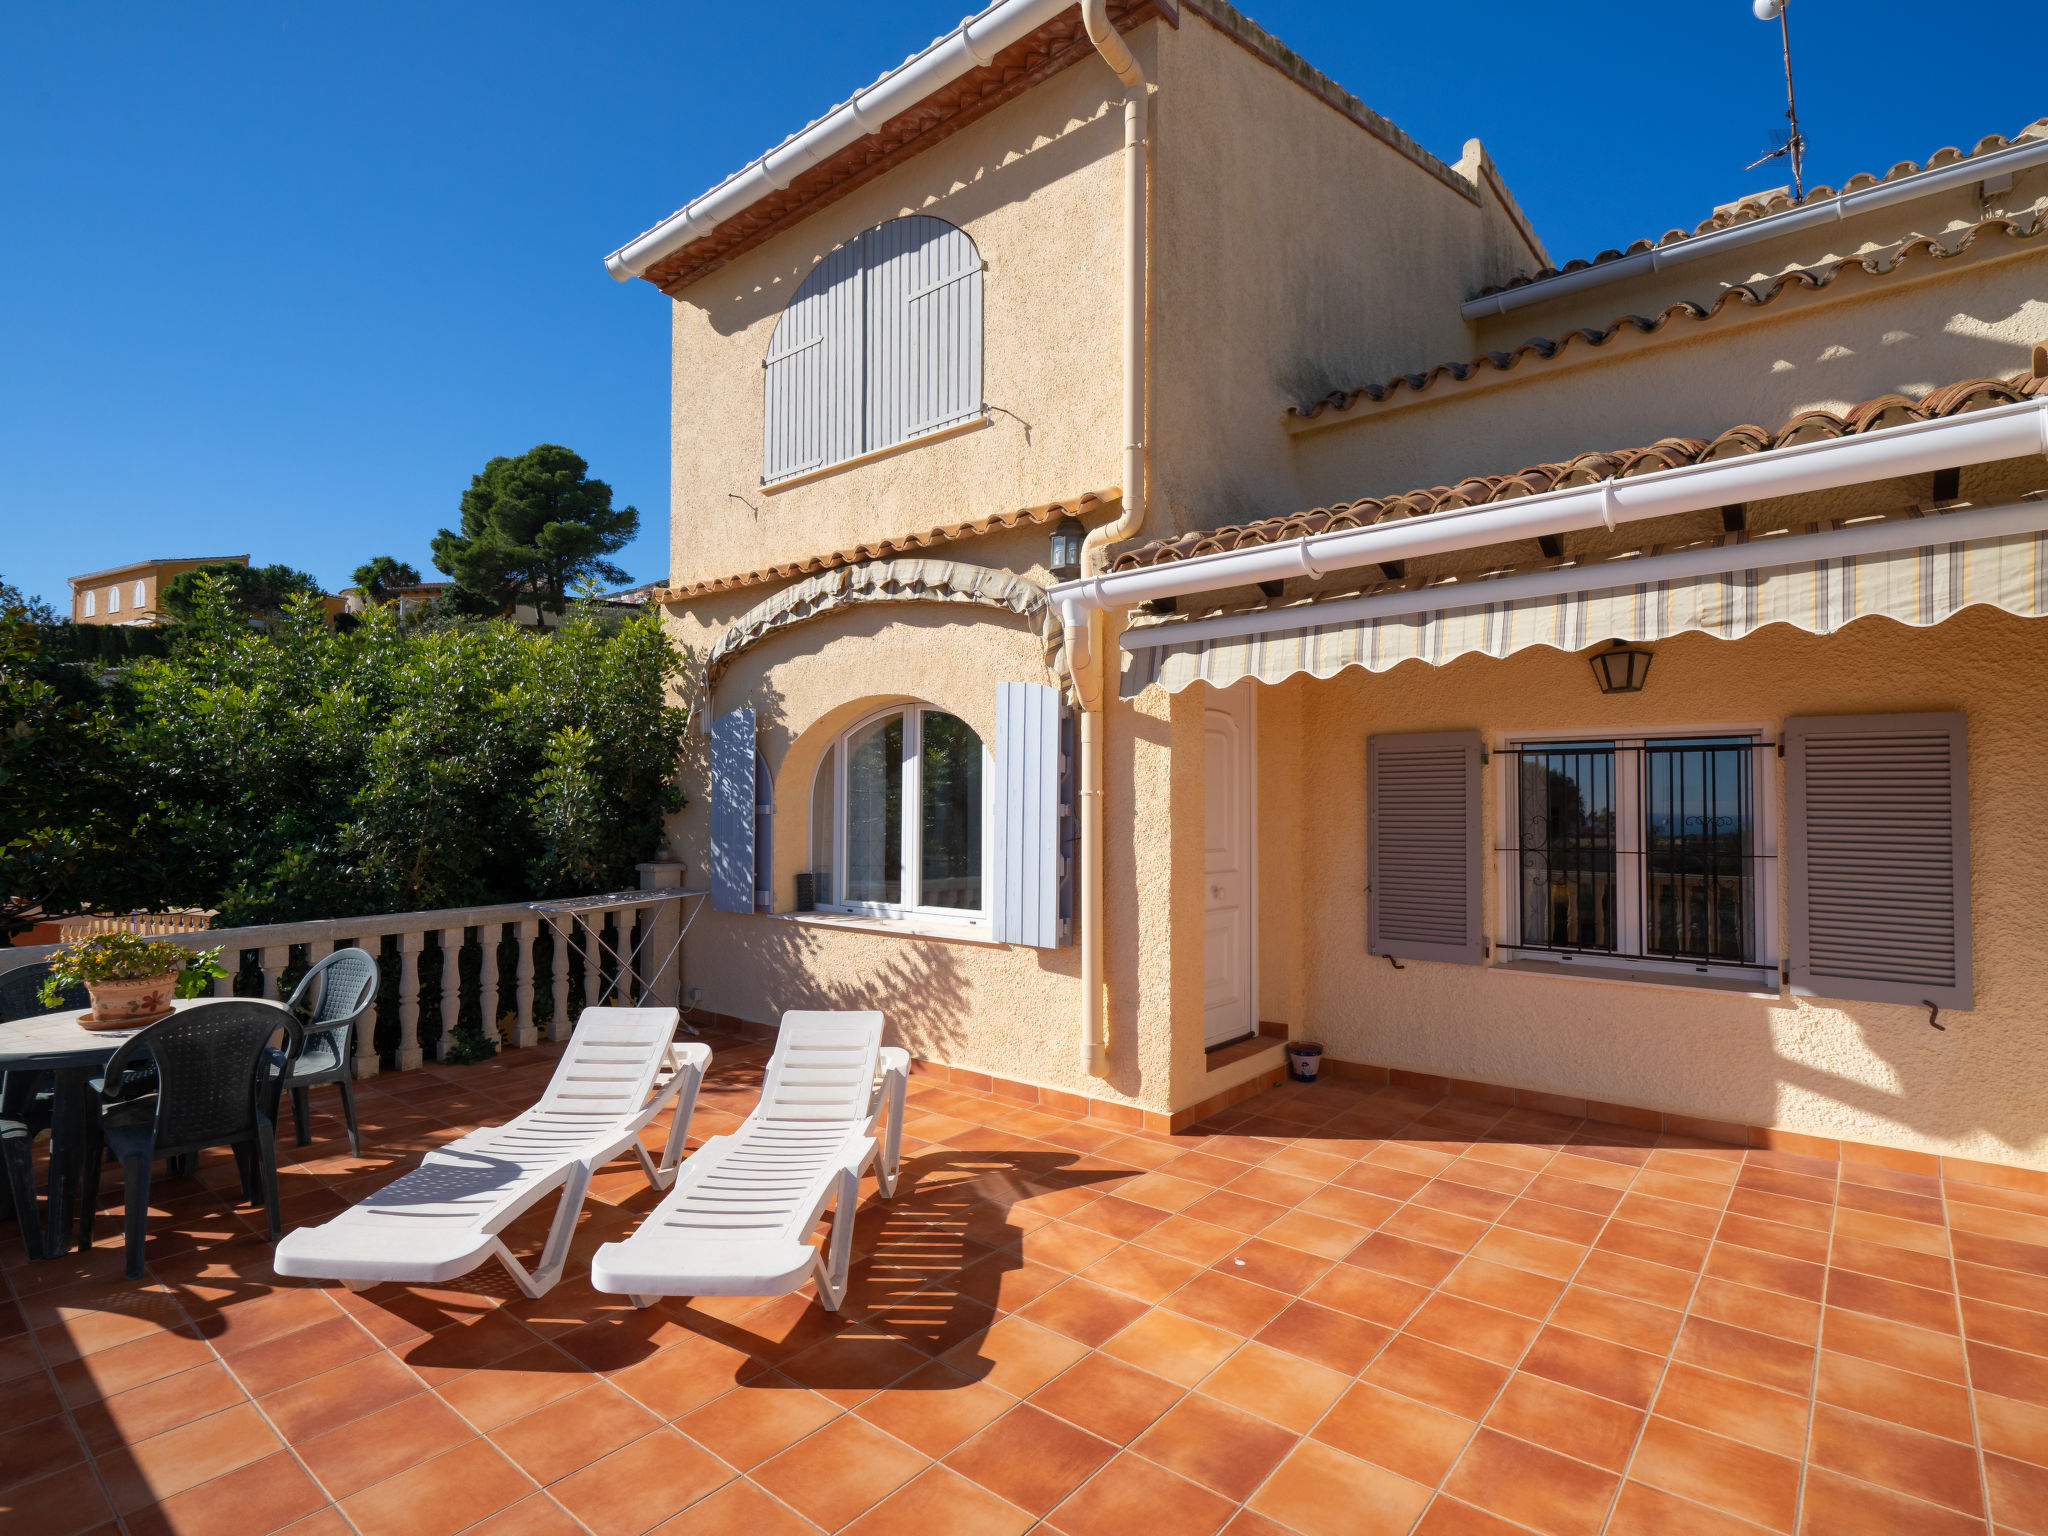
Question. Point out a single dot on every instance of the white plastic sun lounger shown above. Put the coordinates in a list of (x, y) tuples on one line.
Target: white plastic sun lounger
[(739, 1220), (444, 1218)]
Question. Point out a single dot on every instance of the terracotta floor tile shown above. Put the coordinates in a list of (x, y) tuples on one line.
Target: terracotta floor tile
[(1178, 1348), (1929, 1271), (155, 1469), (1235, 1210), (1554, 1221), (1781, 1238), (1537, 1488), (1909, 1349), (843, 1470), (1368, 1294), (299, 1356), (686, 1375), (740, 1508), (573, 1432), (535, 1515), (1143, 1273), (1882, 1392), (273, 1494), (1723, 1474), (151, 1410), (753, 1422), (436, 1498), (1227, 1302), (130, 1365), (1934, 1311), (1478, 1330), (2007, 1327), (1443, 1378), (1120, 1218), (1017, 1356), (1280, 1189), (1084, 1311), (1031, 1458), (935, 1408), (1447, 1516), (1744, 1306), (2019, 1494), (638, 1486), (1756, 1357), (1330, 1338), (1281, 1388), (368, 1450), (1131, 1494), (1187, 1238), (1645, 1511), (942, 1503), (1498, 1285), (1739, 1410), (1832, 1504), (36, 1450), (2013, 1429), (1395, 1432), (1063, 1246), (1323, 1236), (1436, 1229), (2009, 1374), (1907, 1461), (1320, 1491), (59, 1504), (513, 1388), (1107, 1397), (1274, 1265), (1526, 1250), (1609, 1370), (1564, 1419), (1355, 1207), (1574, 1194), (859, 1362)]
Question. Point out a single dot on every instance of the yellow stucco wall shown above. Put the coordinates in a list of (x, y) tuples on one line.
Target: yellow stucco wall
[(1864, 1072)]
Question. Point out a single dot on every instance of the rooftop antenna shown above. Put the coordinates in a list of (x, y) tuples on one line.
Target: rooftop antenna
[(1794, 145)]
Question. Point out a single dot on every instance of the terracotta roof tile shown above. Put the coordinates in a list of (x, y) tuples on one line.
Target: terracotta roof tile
[(1752, 296), (1076, 506), (1778, 200), (1591, 468)]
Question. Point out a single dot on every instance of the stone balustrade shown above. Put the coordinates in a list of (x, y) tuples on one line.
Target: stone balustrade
[(622, 949)]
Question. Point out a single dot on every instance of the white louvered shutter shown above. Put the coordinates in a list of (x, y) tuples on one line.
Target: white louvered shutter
[(732, 812), (923, 329), (1033, 808), (1877, 821), (811, 410), (1423, 848)]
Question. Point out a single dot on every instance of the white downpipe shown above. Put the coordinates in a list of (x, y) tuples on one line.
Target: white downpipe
[(972, 44), (1084, 632), (1980, 437), (1961, 173)]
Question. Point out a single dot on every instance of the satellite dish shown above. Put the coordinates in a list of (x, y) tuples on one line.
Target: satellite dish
[(1767, 10)]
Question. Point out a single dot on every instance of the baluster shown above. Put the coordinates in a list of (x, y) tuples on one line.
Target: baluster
[(451, 990), (409, 1053), (488, 937), (524, 1034), (367, 1064), (558, 1021), (593, 960), (275, 961)]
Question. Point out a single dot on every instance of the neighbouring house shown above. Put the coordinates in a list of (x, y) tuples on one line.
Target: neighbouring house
[(417, 597), (132, 593), (1619, 687)]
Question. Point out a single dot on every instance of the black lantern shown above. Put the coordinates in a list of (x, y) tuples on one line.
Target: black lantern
[(1621, 668), (1066, 549)]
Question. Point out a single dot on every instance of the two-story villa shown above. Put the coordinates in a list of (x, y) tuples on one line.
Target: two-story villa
[(1174, 568)]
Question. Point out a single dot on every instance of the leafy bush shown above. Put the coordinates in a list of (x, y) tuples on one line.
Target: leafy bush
[(129, 957), (294, 772)]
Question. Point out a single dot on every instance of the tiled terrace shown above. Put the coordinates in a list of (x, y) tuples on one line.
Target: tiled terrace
[(1333, 1309)]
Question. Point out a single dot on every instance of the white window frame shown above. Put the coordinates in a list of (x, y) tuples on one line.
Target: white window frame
[(139, 599), (114, 598), (1765, 966), (833, 761), (92, 602)]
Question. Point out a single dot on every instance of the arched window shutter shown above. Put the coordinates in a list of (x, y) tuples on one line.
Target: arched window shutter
[(881, 344)]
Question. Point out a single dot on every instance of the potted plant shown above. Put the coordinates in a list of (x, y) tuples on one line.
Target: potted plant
[(131, 979)]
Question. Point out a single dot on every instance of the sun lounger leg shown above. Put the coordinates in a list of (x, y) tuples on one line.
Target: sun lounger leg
[(554, 1258), (895, 1079), (837, 1259)]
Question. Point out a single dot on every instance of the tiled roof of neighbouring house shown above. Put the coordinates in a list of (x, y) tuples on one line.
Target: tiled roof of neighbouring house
[(1751, 296), (1778, 200), (1591, 468)]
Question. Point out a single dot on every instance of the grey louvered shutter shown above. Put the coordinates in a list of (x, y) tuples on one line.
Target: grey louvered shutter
[(732, 811), (1423, 848), (1877, 823), (1033, 809), (923, 328), (811, 403)]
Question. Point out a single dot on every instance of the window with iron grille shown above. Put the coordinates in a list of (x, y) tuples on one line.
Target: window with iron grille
[(1639, 851)]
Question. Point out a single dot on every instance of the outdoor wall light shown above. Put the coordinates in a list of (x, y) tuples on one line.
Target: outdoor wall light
[(1621, 668), (1065, 563)]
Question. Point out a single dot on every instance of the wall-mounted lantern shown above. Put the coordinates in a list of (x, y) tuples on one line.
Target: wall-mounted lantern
[(1621, 668), (1065, 562)]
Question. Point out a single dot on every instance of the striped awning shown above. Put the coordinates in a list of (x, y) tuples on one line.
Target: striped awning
[(1917, 568)]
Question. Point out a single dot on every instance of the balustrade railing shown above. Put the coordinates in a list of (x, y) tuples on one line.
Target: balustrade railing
[(483, 966)]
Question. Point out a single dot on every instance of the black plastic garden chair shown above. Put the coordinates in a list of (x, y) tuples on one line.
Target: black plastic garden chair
[(23, 1095), (212, 1064), (329, 1000), (19, 1190)]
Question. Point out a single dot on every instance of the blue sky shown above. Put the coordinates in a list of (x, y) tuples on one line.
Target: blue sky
[(280, 278)]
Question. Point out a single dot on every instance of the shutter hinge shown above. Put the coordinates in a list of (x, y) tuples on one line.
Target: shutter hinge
[(1781, 743), (1485, 755)]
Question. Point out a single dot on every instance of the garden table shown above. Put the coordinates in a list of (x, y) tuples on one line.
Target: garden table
[(58, 1044)]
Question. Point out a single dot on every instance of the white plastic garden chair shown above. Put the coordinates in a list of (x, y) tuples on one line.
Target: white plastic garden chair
[(444, 1218), (739, 1220)]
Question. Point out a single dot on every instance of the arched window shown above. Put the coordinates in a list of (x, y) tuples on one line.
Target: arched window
[(881, 345), (139, 599), (897, 817), (92, 603), (113, 599)]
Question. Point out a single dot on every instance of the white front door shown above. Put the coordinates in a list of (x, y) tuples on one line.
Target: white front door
[(1228, 1003)]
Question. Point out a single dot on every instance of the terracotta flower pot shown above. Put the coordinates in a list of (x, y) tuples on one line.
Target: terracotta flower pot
[(125, 1004)]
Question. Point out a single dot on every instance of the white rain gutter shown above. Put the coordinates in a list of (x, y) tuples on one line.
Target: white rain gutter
[(2012, 431), (972, 44), (1083, 638), (1987, 167), (1873, 538)]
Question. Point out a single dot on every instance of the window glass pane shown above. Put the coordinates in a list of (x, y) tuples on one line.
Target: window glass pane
[(874, 813), (113, 599), (1696, 813), (949, 813), (1566, 847), (823, 832)]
